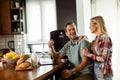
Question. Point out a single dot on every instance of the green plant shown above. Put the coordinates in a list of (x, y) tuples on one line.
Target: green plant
[(17, 0), (18, 25)]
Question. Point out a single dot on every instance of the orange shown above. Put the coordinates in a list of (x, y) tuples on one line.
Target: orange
[(0, 59)]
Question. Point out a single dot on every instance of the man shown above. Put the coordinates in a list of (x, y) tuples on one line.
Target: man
[(78, 63)]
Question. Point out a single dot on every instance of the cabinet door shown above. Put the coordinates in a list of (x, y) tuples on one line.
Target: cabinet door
[(5, 23), (0, 20)]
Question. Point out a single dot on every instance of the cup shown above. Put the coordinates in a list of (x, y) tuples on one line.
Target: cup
[(15, 17), (17, 4)]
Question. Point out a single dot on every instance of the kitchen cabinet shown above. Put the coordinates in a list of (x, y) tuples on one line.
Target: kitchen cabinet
[(17, 16), (12, 20), (5, 24)]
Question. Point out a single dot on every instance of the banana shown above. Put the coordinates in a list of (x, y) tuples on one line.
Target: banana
[(11, 55)]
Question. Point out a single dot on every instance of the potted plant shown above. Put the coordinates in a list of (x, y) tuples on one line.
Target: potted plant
[(17, 3), (18, 27)]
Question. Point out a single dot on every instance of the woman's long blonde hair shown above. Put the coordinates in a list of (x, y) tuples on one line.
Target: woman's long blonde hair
[(99, 21)]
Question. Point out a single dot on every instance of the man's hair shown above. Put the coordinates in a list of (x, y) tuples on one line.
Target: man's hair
[(69, 23)]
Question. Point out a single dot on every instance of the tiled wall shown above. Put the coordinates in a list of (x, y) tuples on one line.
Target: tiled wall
[(18, 42), (4, 41)]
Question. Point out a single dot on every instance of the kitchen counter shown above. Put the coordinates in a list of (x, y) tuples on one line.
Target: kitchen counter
[(42, 72)]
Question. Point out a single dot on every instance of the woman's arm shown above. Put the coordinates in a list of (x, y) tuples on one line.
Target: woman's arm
[(103, 48)]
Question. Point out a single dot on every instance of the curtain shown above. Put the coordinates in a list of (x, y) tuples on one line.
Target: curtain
[(41, 19)]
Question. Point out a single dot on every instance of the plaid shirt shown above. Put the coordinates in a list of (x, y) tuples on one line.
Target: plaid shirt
[(102, 48)]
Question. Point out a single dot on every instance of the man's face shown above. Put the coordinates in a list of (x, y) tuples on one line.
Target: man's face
[(71, 32)]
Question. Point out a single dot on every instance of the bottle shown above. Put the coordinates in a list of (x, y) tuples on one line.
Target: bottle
[(34, 59)]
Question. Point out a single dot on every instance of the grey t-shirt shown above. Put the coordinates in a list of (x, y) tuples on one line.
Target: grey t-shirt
[(72, 51)]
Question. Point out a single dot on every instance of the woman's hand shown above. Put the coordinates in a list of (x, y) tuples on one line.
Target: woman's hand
[(85, 52), (50, 43), (82, 36), (67, 73)]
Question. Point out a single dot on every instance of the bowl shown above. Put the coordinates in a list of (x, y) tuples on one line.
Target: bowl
[(11, 61)]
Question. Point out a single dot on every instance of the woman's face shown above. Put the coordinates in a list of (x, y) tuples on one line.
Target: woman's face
[(93, 27)]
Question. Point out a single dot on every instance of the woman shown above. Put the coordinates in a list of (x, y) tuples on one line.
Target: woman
[(102, 49)]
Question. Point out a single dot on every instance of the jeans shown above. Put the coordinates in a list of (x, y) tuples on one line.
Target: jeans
[(99, 75)]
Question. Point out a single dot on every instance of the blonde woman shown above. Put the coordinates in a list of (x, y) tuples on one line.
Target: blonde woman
[(102, 49)]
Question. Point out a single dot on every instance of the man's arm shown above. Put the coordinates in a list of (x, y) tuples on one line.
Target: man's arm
[(84, 44), (55, 55), (82, 65), (67, 73)]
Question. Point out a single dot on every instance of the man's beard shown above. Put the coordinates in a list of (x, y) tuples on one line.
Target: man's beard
[(73, 37)]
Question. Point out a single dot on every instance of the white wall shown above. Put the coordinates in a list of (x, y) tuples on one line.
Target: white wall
[(83, 17), (110, 10), (80, 16)]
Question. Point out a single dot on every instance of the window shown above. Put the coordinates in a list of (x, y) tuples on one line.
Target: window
[(41, 19)]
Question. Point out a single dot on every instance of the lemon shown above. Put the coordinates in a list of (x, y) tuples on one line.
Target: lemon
[(11, 55)]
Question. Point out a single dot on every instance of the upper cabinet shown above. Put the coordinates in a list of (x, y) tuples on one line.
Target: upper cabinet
[(12, 18), (17, 16), (5, 24)]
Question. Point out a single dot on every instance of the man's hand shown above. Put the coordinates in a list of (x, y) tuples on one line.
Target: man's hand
[(67, 73), (50, 43)]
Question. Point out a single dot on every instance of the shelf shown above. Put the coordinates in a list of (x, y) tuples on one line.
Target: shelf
[(17, 17), (17, 33), (15, 20), (17, 8)]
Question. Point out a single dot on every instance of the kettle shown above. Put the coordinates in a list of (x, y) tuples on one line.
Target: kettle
[(11, 45)]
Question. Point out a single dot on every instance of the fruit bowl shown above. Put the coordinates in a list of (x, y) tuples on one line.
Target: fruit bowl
[(11, 58), (11, 61)]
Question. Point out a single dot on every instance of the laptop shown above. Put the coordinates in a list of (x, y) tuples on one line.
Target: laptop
[(46, 61)]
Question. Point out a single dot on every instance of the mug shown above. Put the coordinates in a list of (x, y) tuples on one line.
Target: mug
[(15, 17)]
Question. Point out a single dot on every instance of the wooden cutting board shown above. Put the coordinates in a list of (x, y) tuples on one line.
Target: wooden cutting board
[(23, 69)]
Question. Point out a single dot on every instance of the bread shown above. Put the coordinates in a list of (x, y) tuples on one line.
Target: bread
[(22, 59), (25, 64)]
